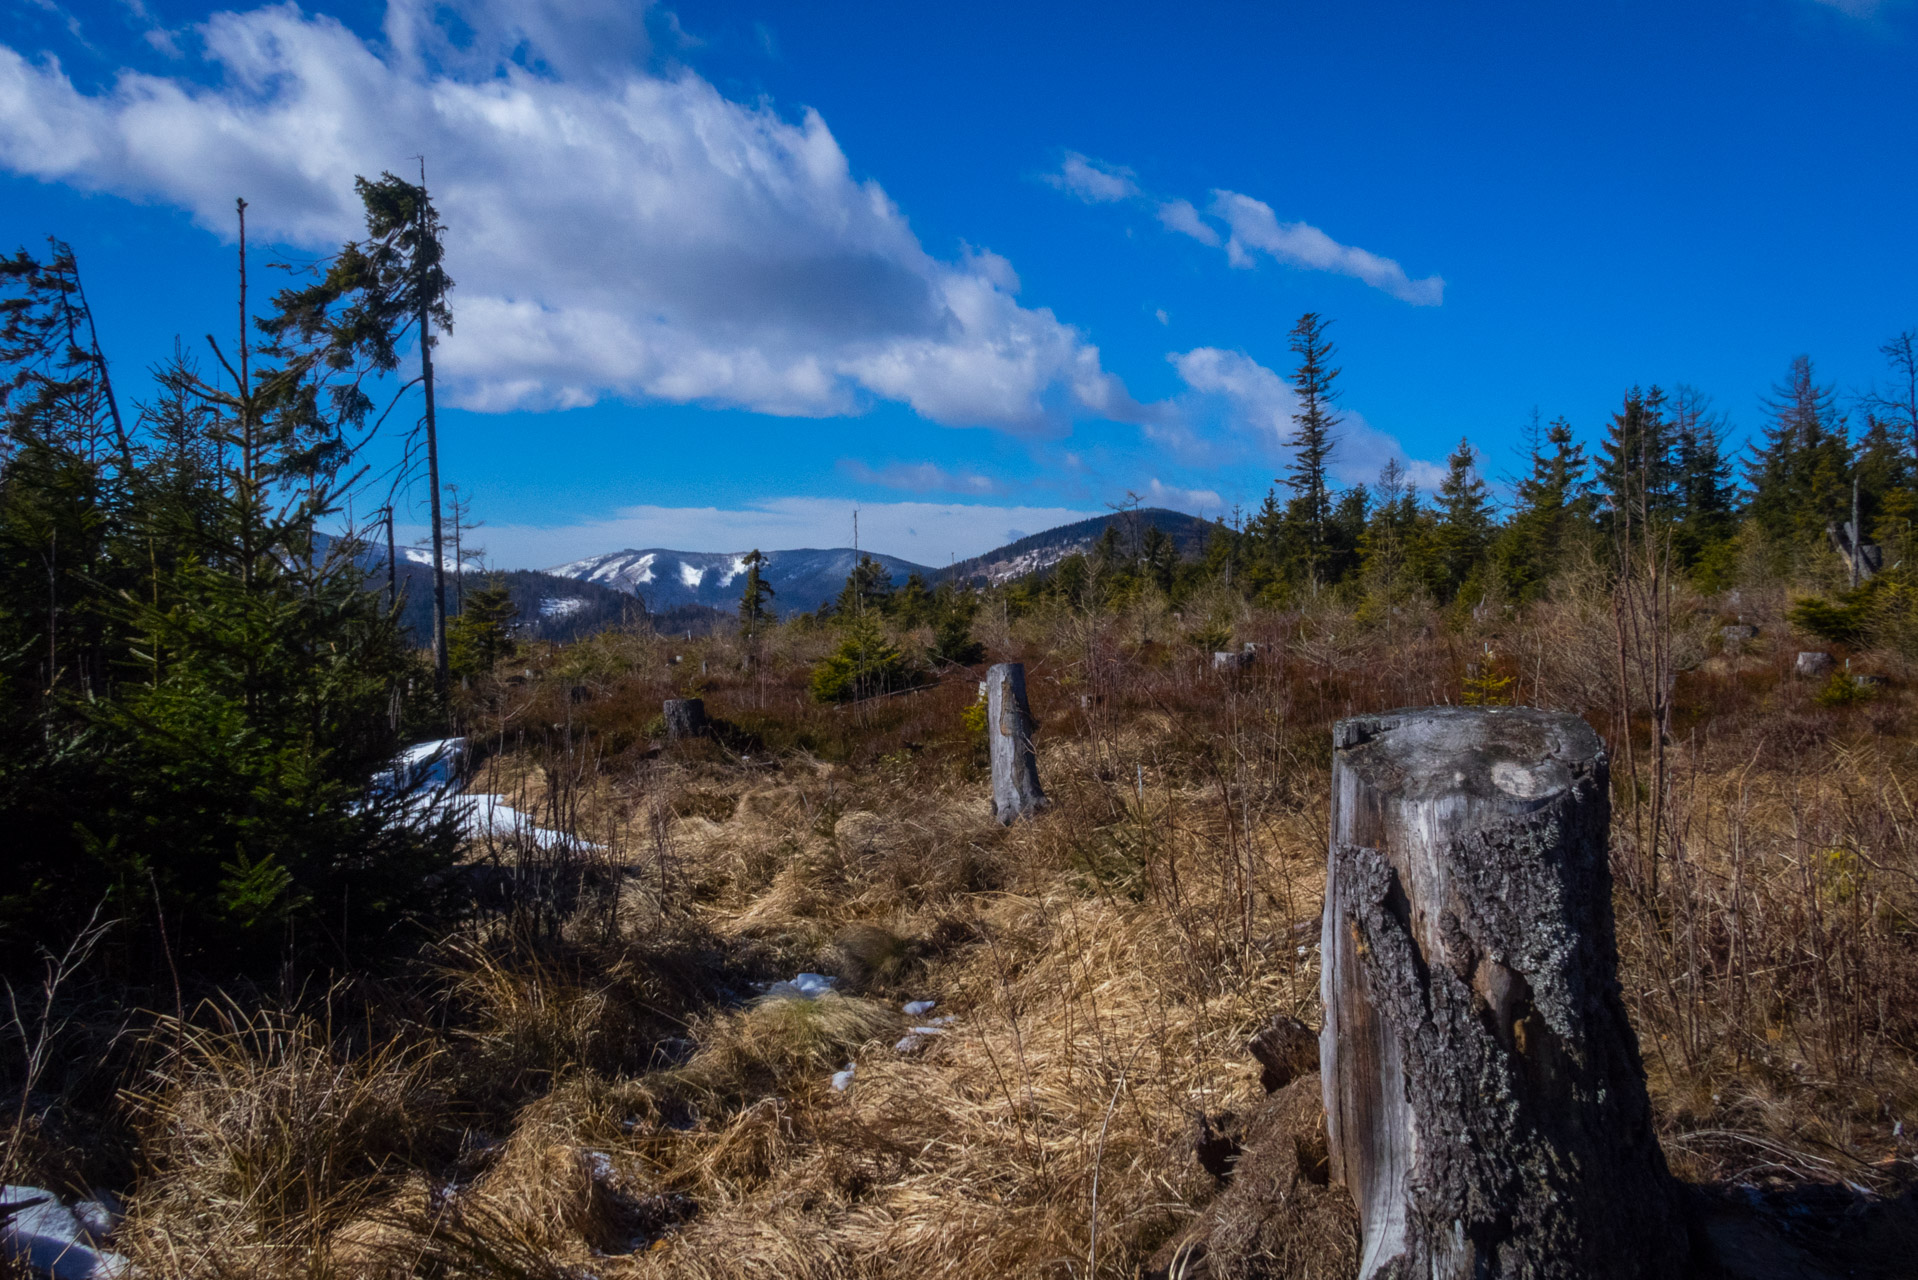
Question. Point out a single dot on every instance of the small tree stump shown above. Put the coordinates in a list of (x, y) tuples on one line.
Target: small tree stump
[(1015, 769), (1484, 1094), (1814, 663), (685, 718)]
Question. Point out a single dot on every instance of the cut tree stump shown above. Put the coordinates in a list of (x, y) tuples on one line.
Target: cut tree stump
[(685, 718), (1015, 769), (1484, 1095)]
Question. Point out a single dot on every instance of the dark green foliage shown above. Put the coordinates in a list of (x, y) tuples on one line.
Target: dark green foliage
[(868, 589), (952, 637), (1463, 530), (482, 634), (1550, 506), (196, 688), (1884, 611), (865, 665), (1308, 515), (1801, 476), (754, 596)]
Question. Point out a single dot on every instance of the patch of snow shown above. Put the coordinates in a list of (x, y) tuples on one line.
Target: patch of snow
[(842, 1080), (737, 567), (918, 1008), (690, 575), (910, 1044), (560, 606), (427, 774), (55, 1241), (806, 986)]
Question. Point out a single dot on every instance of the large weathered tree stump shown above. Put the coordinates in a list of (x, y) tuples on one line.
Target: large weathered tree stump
[(1009, 724), (1484, 1094), (685, 718)]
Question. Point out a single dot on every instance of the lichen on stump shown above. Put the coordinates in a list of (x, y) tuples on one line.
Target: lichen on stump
[(1484, 1094)]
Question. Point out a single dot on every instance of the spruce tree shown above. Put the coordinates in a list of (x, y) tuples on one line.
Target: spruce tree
[(482, 632), (1801, 475), (868, 589), (1464, 526), (1548, 503), (753, 598), (1636, 465), (1706, 499), (1308, 514)]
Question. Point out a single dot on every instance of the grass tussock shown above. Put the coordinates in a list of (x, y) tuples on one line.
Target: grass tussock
[(588, 1077)]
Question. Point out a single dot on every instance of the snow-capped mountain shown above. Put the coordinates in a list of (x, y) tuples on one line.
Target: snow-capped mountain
[(801, 580)]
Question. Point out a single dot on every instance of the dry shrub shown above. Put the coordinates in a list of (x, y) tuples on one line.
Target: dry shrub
[(263, 1135)]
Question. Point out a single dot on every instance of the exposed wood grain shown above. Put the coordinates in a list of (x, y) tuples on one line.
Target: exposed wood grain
[(1484, 1094)]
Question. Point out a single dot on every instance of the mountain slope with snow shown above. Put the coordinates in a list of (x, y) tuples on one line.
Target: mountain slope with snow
[(1041, 551), (801, 579)]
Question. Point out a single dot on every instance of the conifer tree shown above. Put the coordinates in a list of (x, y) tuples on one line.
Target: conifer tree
[(1636, 468), (482, 632), (1464, 526), (1706, 499), (1800, 477), (1547, 504), (1308, 514), (868, 589), (753, 597), (376, 293)]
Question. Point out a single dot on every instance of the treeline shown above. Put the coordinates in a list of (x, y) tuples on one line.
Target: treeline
[(199, 686), (1663, 469)]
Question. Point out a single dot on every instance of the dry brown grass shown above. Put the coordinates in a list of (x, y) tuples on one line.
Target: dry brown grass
[(592, 1085)]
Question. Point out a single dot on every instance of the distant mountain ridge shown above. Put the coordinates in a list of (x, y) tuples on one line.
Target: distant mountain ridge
[(801, 579), (805, 578), (1040, 551)]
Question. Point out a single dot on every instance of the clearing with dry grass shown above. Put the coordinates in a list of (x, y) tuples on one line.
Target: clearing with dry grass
[(589, 1076)]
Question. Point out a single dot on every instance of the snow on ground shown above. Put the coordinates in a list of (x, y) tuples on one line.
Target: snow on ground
[(429, 775), (560, 606)]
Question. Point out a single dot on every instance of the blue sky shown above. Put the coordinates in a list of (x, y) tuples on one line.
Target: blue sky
[(727, 270)]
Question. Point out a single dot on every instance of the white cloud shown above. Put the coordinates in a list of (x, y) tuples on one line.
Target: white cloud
[(924, 532), (1261, 403), (1180, 216), (1093, 181), (1252, 226), (922, 477), (1196, 501), (613, 231), (1255, 226)]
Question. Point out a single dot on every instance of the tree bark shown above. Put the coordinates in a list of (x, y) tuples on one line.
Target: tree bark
[(685, 718), (1484, 1094), (1015, 770)]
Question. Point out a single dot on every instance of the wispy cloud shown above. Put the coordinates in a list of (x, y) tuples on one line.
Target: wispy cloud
[(1256, 228), (615, 232), (1260, 403), (1093, 181), (1252, 228), (1198, 502), (922, 477)]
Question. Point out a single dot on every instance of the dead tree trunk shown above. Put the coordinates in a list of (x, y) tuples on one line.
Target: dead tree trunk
[(1015, 770), (1484, 1095), (685, 718)]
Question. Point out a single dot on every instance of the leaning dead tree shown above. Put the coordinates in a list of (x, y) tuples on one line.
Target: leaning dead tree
[(1484, 1095), (1015, 769)]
